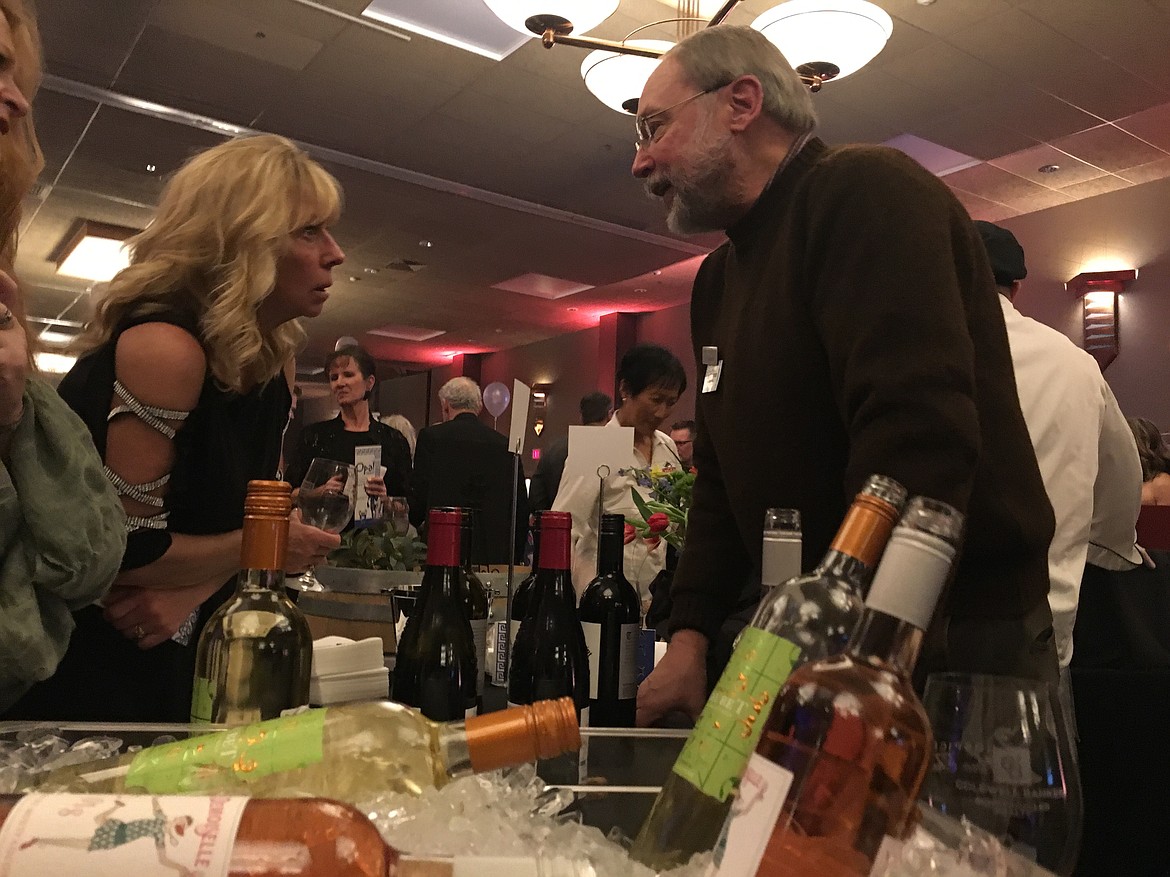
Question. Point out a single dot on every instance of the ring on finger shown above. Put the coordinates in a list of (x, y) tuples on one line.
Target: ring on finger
[(6, 319), (138, 632)]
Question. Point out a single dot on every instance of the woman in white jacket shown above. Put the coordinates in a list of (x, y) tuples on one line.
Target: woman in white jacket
[(650, 380)]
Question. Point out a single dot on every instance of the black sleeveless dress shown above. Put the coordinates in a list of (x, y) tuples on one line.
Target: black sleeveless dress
[(228, 440)]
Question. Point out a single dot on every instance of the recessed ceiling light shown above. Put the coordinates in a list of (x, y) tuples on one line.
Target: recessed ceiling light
[(371, 270), (150, 168), (639, 291), (925, 2), (54, 363), (426, 244), (1049, 168), (658, 273), (93, 250), (567, 309), (353, 278)]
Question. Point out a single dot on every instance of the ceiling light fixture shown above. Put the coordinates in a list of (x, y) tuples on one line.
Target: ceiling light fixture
[(93, 250), (822, 39), (54, 363), (828, 38), (1048, 168)]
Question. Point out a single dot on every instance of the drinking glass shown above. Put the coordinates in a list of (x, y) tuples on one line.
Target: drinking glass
[(1003, 759), (396, 514), (325, 500)]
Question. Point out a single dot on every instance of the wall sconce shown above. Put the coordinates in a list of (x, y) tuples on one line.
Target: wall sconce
[(538, 427), (1098, 291), (539, 396), (93, 250)]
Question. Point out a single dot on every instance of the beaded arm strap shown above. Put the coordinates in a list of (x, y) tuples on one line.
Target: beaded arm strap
[(153, 417)]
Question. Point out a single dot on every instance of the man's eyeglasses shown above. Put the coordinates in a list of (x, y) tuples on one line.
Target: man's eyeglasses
[(647, 130)]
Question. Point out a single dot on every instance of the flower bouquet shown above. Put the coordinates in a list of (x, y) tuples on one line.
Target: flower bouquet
[(664, 515)]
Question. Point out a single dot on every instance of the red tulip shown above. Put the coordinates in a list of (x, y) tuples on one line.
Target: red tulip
[(658, 522), (630, 534)]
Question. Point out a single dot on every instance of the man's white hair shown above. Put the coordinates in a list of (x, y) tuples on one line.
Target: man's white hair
[(462, 394)]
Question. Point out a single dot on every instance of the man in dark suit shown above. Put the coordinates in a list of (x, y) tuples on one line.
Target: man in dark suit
[(596, 409), (463, 462)]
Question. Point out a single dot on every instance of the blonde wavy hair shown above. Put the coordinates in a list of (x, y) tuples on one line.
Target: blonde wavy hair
[(223, 222), (20, 153)]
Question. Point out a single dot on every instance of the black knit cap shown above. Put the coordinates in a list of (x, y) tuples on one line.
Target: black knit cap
[(1004, 251)]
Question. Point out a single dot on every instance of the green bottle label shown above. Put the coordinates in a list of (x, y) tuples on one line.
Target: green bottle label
[(201, 700), (246, 754), (725, 736)]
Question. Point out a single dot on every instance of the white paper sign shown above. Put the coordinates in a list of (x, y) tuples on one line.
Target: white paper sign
[(367, 462), (594, 446), (521, 395)]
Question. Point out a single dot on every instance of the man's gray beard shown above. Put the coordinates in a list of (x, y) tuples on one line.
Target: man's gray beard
[(703, 199)]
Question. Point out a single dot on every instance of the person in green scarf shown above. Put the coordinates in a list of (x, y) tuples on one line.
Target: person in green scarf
[(62, 527)]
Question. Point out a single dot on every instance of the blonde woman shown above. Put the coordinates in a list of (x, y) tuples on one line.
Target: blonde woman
[(184, 384), (404, 426), (61, 525)]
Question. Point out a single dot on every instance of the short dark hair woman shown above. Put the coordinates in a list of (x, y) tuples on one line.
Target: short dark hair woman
[(351, 372), (650, 379)]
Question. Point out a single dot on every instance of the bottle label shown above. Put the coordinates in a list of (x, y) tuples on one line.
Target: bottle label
[(479, 631), (116, 835), (752, 819), (725, 736), (628, 662), (592, 631), (583, 752), (246, 754), (201, 700), (627, 659)]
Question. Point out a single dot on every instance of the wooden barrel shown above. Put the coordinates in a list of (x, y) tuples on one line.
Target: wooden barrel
[(355, 604)]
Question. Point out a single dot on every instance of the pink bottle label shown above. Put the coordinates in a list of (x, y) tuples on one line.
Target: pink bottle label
[(116, 835)]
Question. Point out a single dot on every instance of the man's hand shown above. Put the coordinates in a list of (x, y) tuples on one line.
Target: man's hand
[(678, 683)]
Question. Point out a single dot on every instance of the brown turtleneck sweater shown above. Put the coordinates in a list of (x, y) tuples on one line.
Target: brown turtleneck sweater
[(860, 333)]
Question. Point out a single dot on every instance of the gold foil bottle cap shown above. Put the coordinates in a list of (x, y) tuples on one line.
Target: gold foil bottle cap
[(265, 537), (523, 734)]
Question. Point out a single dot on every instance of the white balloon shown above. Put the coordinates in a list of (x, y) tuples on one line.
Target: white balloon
[(496, 397), (345, 341)]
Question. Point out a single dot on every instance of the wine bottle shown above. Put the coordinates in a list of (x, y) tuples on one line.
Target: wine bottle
[(610, 613), (255, 654), (549, 658), (476, 601), (522, 598), (349, 752), (780, 560), (807, 618), (43, 834), (847, 744), (435, 666)]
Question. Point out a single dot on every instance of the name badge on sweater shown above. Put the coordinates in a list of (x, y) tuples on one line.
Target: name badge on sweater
[(711, 378)]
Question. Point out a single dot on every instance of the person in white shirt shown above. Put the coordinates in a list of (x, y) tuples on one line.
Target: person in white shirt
[(650, 380), (1087, 454)]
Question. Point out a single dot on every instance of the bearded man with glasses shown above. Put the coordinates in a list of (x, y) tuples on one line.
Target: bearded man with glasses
[(853, 317)]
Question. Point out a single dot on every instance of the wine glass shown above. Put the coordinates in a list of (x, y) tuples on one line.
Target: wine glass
[(325, 501), (1003, 759), (396, 514)]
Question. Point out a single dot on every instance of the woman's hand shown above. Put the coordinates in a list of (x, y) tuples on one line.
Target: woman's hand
[(150, 616), (13, 355), (307, 546), (375, 486)]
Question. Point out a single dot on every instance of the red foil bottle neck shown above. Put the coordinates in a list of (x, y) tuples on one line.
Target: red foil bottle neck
[(443, 538)]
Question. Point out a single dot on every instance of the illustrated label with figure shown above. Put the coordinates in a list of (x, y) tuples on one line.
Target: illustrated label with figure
[(115, 835)]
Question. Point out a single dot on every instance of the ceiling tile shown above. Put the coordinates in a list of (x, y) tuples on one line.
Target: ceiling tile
[(1152, 126), (1109, 148), (1147, 173), (228, 27), (1036, 114), (982, 208), (1099, 186), (993, 184), (1026, 164), (973, 132), (90, 41)]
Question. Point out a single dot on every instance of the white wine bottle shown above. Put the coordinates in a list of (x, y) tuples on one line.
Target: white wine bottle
[(350, 753), (255, 654), (807, 618)]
